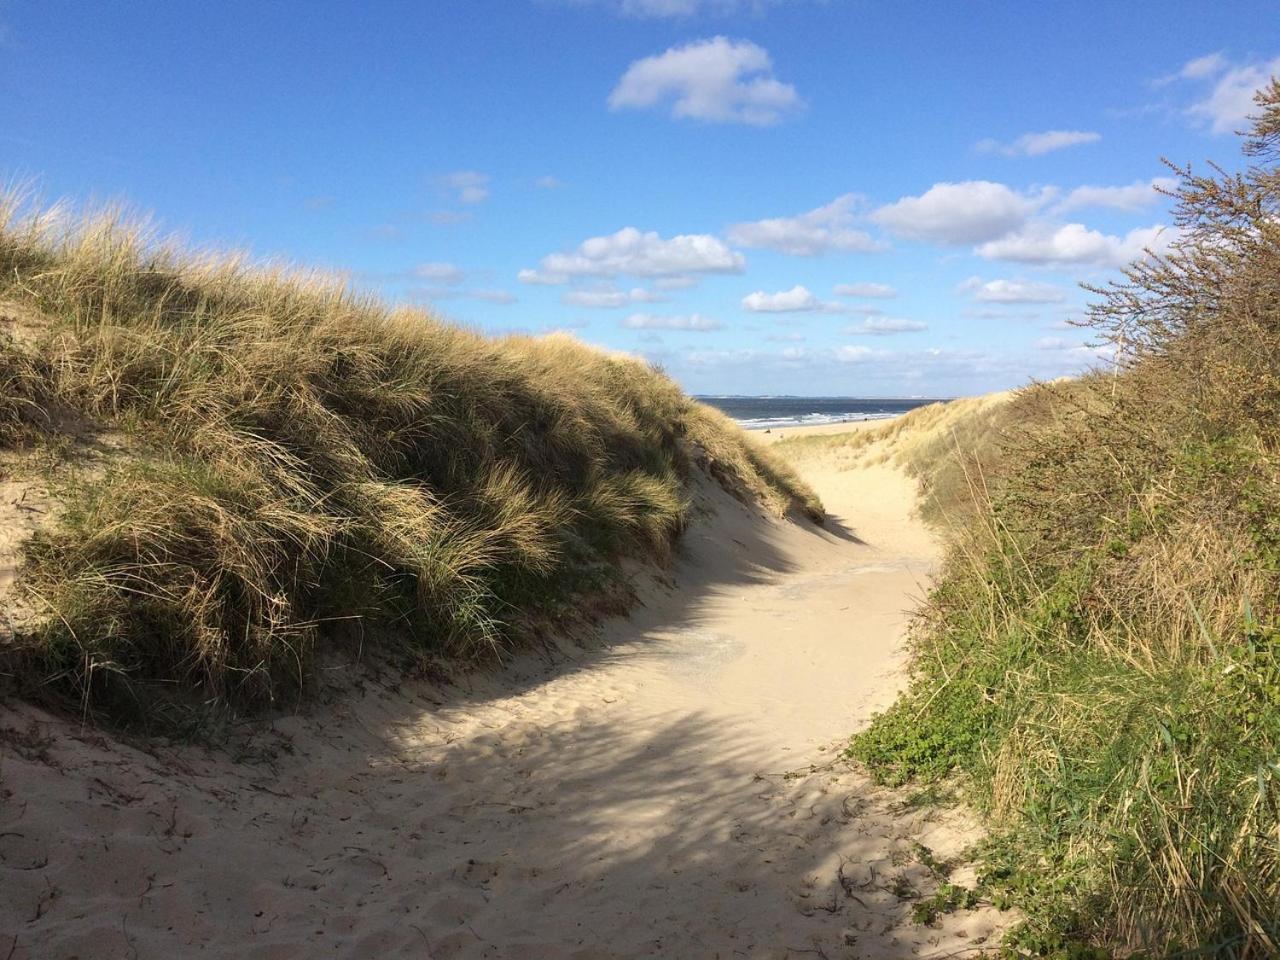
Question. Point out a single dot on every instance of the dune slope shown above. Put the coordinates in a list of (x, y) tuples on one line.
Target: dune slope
[(675, 788), (247, 465)]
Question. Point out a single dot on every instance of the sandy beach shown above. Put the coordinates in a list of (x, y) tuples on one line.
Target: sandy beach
[(672, 788), (774, 434)]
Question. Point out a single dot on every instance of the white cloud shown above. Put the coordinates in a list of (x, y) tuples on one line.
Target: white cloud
[(1228, 106), (447, 273), (1075, 245), (931, 372), (1202, 67), (718, 80), (882, 326), (639, 254), (1036, 144), (796, 300), (1051, 343), (541, 279), (1012, 291), (610, 298), (809, 234), (467, 186), (692, 322), (792, 357), (851, 354), (973, 211), (675, 283), (548, 183), (1135, 196), (874, 290)]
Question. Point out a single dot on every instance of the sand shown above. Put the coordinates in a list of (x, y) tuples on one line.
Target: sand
[(673, 788)]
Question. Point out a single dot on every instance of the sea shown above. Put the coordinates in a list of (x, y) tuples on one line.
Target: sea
[(761, 413)]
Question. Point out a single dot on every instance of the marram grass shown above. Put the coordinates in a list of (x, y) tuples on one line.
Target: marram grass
[(250, 461), (1099, 662)]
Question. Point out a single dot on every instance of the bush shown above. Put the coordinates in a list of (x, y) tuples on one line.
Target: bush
[(1100, 657)]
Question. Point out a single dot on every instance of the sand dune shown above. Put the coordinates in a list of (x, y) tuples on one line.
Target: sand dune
[(673, 788)]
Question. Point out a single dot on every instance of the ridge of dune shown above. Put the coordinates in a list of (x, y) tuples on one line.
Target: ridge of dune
[(672, 788)]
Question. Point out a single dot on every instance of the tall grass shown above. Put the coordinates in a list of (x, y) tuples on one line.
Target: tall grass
[(288, 461), (1101, 658)]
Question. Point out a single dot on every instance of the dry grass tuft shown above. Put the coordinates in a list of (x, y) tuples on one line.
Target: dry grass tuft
[(1102, 655), (294, 459)]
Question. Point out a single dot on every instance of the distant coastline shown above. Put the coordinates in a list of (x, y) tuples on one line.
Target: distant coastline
[(768, 412)]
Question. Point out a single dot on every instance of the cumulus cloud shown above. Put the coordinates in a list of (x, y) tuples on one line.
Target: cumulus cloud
[(675, 283), (1011, 291), (446, 273), (1227, 107), (796, 300), (467, 186), (1036, 144), (694, 322), (610, 297), (973, 211), (810, 234), (629, 251), (871, 290), (1074, 244), (1135, 196), (717, 80), (1202, 67), (540, 278), (1051, 343), (927, 372), (883, 326), (852, 354)]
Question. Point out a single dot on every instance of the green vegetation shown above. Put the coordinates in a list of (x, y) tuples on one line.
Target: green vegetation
[(1100, 661), (248, 461)]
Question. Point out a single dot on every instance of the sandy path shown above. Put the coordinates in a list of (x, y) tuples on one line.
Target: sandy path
[(675, 791)]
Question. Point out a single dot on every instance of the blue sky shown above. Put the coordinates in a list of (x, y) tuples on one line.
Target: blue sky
[(841, 197)]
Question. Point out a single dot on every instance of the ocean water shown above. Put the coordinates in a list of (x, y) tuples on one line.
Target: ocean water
[(759, 413)]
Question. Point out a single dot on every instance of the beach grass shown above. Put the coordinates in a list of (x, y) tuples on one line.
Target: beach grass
[(1098, 663), (249, 461)]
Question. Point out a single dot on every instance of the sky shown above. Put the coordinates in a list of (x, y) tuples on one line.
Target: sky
[(809, 197)]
